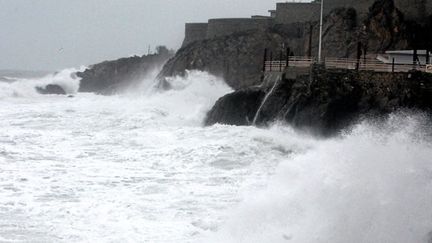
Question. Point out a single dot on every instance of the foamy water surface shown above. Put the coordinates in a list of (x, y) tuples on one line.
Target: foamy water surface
[(140, 167)]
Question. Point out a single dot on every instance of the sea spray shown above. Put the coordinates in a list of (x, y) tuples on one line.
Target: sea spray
[(124, 168), (269, 93), (189, 98), (373, 184), (26, 87), (143, 168)]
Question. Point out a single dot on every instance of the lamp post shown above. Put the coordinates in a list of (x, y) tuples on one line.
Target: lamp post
[(320, 32)]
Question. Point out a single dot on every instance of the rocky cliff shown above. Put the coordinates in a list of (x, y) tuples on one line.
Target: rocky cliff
[(325, 100), (384, 28), (238, 58), (110, 77), (51, 89)]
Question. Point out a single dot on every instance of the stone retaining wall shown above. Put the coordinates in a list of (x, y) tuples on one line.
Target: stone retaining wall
[(221, 27), (195, 32)]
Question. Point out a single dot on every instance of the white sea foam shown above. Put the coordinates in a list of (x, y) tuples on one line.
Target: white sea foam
[(142, 168), (371, 185), (25, 87)]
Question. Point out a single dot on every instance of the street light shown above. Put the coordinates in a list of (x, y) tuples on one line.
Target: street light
[(321, 32)]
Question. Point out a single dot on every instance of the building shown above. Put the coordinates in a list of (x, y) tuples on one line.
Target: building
[(405, 57), (194, 32)]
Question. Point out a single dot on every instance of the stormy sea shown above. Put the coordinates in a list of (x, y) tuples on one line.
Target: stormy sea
[(140, 166)]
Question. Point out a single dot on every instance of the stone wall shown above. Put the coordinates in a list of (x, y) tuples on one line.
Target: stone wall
[(195, 32), (287, 13), (222, 27)]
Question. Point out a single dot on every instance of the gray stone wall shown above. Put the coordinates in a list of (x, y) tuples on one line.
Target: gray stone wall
[(221, 27), (287, 13), (195, 32)]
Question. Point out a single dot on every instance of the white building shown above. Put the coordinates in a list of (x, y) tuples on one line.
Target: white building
[(404, 57)]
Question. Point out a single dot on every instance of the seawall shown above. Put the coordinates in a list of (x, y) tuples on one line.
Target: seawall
[(222, 27), (195, 32)]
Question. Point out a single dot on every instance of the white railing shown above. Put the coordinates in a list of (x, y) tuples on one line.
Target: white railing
[(345, 63)]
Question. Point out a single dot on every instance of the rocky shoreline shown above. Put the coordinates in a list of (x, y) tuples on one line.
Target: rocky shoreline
[(319, 99), (238, 57), (325, 101), (111, 77)]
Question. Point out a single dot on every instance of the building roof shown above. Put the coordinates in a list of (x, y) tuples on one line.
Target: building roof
[(406, 52), (261, 17)]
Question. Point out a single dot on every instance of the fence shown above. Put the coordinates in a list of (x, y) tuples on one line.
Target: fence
[(345, 63)]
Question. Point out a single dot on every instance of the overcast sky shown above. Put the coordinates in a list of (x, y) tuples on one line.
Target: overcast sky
[(55, 34)]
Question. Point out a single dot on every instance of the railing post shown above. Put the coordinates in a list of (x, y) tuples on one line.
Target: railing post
[(359, 54), (288, 50), (365, 53), (310, 40), (393, 65), (265, 59), (271, 61), (427, 56), (280, 61)]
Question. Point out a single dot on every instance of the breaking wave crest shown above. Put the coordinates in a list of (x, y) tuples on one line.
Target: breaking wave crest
[(374, 184), (139, 166), (26, 87)]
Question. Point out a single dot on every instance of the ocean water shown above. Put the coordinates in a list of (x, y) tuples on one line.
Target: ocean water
[(140, 167)]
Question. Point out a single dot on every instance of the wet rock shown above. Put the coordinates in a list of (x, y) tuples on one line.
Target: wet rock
[(238, 108), (383, 28), (237, 58), (327, 100), (111, 77), (51, 89)]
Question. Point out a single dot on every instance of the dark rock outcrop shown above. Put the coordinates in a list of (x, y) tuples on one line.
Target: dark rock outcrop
[(329, 100), (111, 77), (238, 58), (51, 89), (238, 108), (383, 28), (340, 34)]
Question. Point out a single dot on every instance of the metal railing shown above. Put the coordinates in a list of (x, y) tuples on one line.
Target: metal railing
[(344, 63)]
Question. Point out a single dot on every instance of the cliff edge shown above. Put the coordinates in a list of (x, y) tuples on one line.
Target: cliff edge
[(238, 57), (111, 77), (325, 100)]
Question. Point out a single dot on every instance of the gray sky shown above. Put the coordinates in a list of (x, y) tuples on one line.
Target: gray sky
[(55, 34)]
